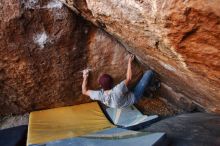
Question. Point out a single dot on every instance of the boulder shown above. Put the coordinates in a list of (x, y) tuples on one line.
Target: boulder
[(178, 39), (43, 49)]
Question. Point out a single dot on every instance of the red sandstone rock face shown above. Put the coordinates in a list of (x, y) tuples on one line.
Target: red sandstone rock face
[(179, 39), (43, 49)]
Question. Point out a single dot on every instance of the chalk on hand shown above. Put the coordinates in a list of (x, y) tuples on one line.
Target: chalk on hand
[(87, 69)]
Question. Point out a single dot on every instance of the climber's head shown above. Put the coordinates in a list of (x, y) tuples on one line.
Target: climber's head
[(106, 81)]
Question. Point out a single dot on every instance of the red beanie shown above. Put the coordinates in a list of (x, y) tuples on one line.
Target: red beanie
[(106, 81)]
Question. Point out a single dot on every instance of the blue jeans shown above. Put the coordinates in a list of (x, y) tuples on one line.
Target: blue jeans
[(142, 84)]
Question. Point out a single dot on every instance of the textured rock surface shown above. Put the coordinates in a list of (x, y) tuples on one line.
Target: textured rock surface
[(197, 129), (43, 49), (179, 39)]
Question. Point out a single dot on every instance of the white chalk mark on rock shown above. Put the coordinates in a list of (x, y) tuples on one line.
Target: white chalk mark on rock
[(30, 4), (41, 39), (153, 7), (54, 4), (168, 67), (33, 4)]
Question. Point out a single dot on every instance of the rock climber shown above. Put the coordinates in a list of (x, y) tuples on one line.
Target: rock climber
[(118, 96)]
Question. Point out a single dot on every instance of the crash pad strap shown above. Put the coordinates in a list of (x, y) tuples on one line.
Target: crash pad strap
[(66, 122)]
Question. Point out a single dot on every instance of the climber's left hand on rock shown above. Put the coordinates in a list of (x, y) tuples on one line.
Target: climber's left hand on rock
[(131, 57), (85, 73)]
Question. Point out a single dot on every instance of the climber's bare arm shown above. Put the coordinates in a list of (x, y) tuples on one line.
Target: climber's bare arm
[(85, 90), (129, 71)]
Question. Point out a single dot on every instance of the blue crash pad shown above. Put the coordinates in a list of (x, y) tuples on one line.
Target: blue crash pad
[(113, 136)]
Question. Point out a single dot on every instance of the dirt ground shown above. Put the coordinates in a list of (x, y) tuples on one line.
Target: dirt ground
[(158, 106)]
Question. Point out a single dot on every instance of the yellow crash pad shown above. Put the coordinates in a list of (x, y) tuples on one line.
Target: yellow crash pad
[(66, 122)]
